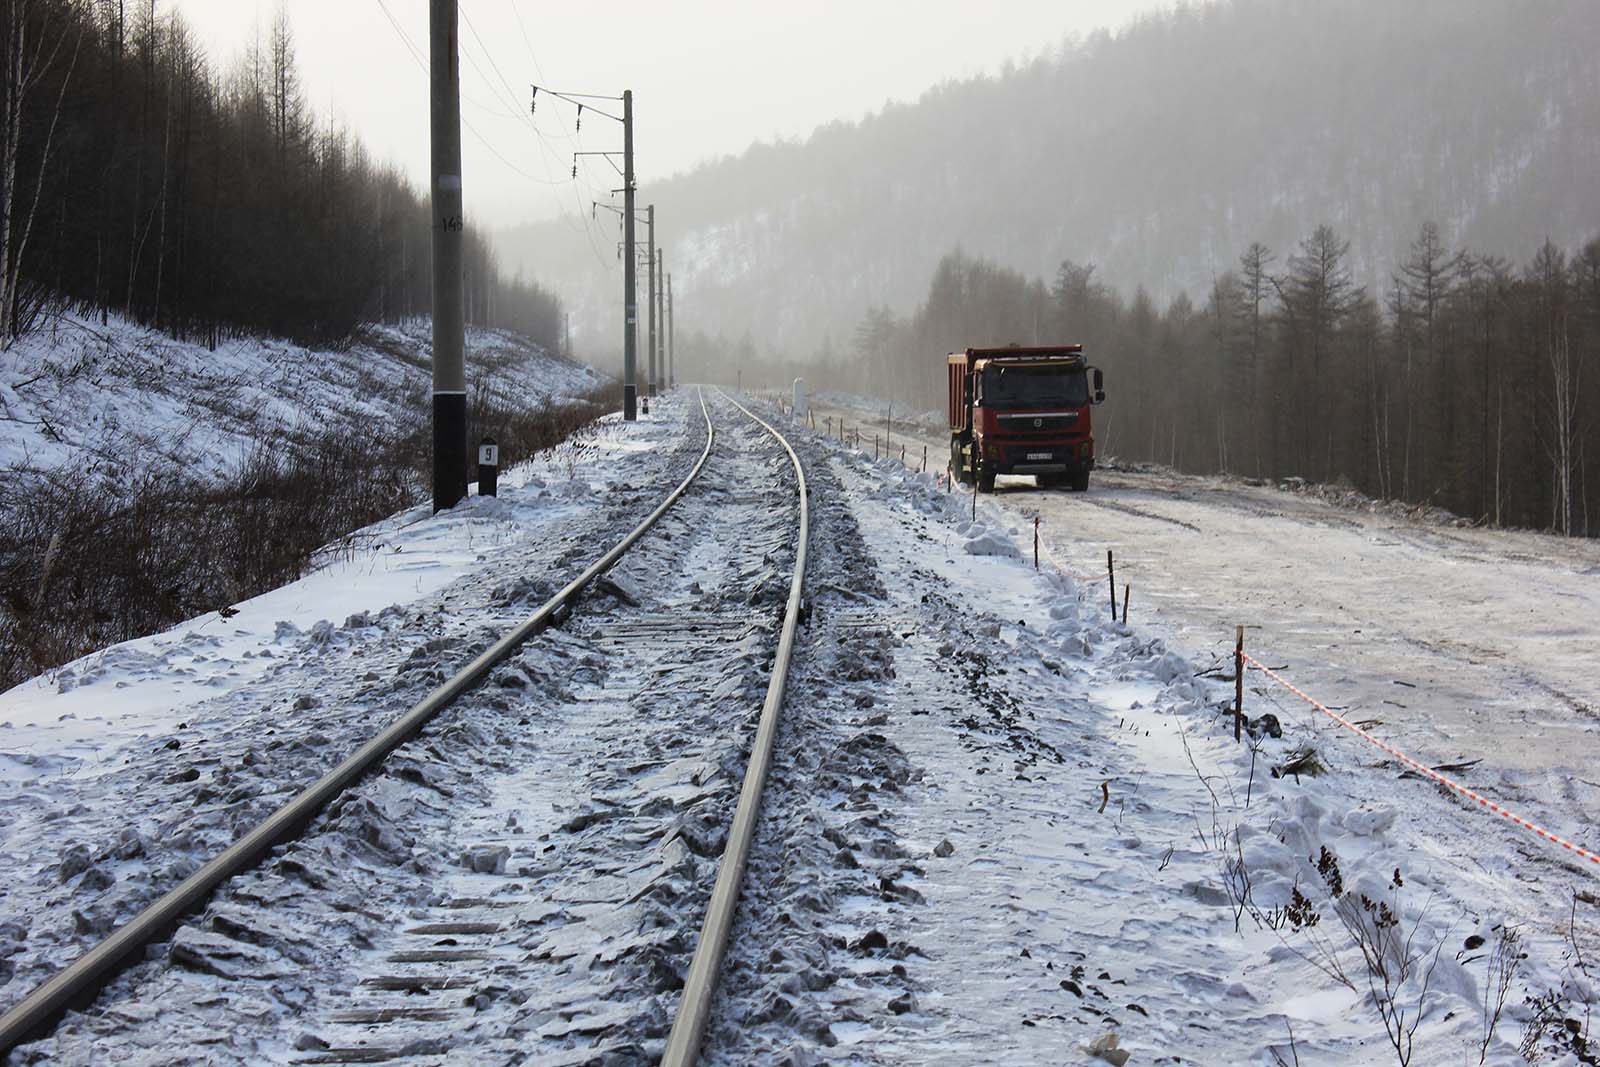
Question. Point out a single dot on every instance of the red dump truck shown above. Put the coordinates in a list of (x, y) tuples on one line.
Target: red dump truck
[(1022, 411)]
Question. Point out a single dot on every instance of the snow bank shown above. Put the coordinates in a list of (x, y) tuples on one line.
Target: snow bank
[(117, 397), (1202, 896)]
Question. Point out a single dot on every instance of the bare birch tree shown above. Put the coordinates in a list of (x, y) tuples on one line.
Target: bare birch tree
[(1548, 277), (31, 43)]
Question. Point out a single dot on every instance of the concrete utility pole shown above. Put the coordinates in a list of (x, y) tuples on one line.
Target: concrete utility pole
[(449, 327), (661, 317), (630, 328), (672, 347), (650, 265)]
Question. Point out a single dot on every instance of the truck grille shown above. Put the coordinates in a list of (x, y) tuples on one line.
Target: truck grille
[(1042, 422)]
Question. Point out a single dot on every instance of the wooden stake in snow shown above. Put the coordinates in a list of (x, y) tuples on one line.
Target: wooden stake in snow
[(1036, 542), (1238, 681), (1111, 576), (1127, 590)]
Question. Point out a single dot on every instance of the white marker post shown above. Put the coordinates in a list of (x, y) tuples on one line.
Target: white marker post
[(488, 467)]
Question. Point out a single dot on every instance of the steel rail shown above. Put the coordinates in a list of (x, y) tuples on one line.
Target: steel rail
[(80, 980), (694, 1007)]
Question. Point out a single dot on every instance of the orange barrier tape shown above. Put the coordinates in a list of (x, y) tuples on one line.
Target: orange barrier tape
[(1050, 557), (1426, 771)]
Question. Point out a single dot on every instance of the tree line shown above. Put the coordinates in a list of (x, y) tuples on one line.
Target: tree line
[(1158, 152), (138, 180), (1467, 382)]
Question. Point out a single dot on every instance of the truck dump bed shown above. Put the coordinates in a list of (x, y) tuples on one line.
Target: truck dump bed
[(960, 367)]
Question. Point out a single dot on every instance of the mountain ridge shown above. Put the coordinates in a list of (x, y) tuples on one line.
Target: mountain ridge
[(1157, 153)]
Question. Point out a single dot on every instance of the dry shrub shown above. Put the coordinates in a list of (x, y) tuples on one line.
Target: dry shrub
[(85, 564)]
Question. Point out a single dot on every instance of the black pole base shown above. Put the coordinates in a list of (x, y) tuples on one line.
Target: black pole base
[(449, 449), (630, 403)]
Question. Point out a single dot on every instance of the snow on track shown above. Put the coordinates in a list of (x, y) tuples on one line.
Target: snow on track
[(999, 828), (82, 850), (527, 875), (1068, 828)]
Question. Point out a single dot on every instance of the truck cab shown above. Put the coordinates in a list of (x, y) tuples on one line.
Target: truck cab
[(1021, 410)]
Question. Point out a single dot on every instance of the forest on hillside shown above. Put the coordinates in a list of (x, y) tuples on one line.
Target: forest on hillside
[(141, 180), (1157, 151), (1465, 381)]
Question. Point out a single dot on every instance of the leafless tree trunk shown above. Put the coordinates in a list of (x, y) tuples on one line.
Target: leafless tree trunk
[(1254, 263), (26, 55), (161, 197), (1499, 449), (1564, 423), (1549, 276)]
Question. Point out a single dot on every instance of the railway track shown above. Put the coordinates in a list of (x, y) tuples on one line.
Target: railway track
[(527, 871)]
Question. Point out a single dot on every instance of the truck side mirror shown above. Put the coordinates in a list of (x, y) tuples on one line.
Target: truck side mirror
[(1099, 387)]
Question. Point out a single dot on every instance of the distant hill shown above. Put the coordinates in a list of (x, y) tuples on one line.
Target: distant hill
[(1156, 153)]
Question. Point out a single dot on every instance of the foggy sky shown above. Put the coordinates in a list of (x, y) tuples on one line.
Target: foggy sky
[(709, 77)]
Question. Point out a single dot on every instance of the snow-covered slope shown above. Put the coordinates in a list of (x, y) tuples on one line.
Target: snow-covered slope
[(118, 397), (1001, 828)]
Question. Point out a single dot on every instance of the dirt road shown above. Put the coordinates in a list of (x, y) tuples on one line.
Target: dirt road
[(1463, 644)]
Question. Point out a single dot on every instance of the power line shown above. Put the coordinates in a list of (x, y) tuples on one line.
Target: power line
[(423, 65), (422, 62), (528, 118), (570, 138), (510, 93)]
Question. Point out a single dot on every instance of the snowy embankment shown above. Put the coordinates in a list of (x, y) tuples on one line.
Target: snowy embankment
[(117, 398), (1088, 852), (122, 771), (1002, 827), (145, 480)]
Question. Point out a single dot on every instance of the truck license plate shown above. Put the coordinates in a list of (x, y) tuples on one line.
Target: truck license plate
[(1040, 455)]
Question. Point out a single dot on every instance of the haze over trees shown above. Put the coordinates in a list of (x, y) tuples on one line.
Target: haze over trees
[(142, 181), (1158, 153), (1334, 241), (1465, 381)]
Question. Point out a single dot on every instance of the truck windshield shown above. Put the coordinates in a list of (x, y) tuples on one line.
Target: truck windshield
[(1035, 387)]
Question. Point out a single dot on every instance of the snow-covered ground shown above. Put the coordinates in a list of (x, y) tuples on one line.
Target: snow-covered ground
[(117, 397), (74, 718), (1001, 827), (1466, 643)]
